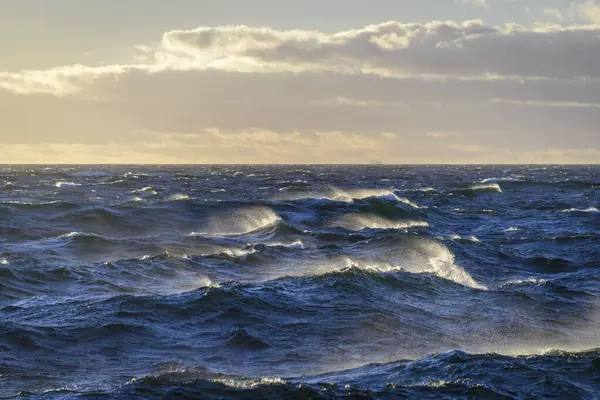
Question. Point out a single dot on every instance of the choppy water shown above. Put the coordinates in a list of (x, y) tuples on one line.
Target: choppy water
[(300, 281)]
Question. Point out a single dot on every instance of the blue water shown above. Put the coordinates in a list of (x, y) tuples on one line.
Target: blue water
[(300, 282)]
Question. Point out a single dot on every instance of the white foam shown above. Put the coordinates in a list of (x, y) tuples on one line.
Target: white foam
[(178, 197), (298, 244), (512, 229), (498, 180), (144, 189), (76, 234), (472, 238), (250, 384), (66, 184), (419, 256), (3, 261), (242, 221), (351, 195), (535, 281), (487, 186), (582, 210), (441, 263), (359, 221)]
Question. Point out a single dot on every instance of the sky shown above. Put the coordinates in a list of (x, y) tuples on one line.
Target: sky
[(300, 81)]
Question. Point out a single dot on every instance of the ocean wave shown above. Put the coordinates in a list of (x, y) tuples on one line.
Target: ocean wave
[(146, 190), (415, 256), (360, 221), (352, 195), (494, 187), (75, 234), (296, 244), (50, 205), (242, 221), (500, 180), (485, 211), (178, 197), (526, 281), (582, 210), (472, 238), (90, 174), (478, 188), (62, 184)]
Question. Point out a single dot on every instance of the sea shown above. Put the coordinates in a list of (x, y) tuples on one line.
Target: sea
[(299, 282)]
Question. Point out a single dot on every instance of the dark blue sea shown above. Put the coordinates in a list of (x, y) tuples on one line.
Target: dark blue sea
[(277, 282)]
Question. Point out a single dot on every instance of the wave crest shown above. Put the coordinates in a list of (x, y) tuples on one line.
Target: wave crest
[(490, 186), (589, 210), (243, 221), (360, 221), (416, 256), (351, 195)]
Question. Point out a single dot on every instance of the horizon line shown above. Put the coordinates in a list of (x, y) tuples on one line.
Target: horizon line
[(292, 164)]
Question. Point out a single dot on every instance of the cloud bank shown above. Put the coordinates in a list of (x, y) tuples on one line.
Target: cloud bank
[(390, 92)]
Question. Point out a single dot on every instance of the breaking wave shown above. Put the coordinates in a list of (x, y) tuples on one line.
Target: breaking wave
[(360, 221), (351, 195), (494, 187), (582, 210), (243, 221)]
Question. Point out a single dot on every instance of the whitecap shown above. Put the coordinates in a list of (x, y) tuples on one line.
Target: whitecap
[(498, 180), (144, 189), (250, 384), (487, 186), (242, 221), (4, 261), (417, 256), (456, 236), (534, 281), (582, 210), (66, 184), (298, 244), (351, 195), (512, 229), (178, 197), (360, 221), (76, 234)]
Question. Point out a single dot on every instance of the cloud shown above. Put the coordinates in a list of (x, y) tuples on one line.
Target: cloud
[(589, 11), (555, 104), (214, 146), (435, 50), (435, 92)]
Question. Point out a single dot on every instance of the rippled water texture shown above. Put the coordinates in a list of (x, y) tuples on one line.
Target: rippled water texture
[(299, 281)]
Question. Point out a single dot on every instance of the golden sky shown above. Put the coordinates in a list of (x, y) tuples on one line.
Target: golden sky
[(133, 81)]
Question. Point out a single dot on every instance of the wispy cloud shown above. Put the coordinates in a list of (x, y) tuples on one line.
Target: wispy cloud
[(439, 91), (557, 104), (435, 50)]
